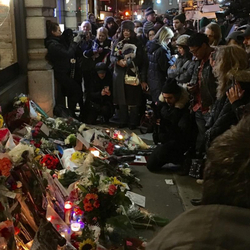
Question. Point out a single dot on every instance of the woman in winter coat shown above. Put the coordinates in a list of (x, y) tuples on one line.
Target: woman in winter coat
[(183, 68), (101, 47), (127, 58), (159, 57), (61, 54), (230, 68)]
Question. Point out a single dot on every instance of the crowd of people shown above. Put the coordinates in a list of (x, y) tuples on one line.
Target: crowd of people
[(197, 80)]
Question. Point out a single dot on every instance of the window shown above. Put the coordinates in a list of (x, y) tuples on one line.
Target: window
[(170, 2), (8, 55)]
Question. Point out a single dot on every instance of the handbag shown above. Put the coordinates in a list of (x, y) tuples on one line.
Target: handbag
[(132, 80)]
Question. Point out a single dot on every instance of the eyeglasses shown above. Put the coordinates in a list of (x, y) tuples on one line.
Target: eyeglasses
[(195, 51)]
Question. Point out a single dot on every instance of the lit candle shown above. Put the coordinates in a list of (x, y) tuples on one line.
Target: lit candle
[(67, 211), (120, 137), (96, 153), (75, 226)]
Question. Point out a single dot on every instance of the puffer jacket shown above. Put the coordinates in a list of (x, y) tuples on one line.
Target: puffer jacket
[(183, 71), (208, 83), (60, 54), (157, 68)]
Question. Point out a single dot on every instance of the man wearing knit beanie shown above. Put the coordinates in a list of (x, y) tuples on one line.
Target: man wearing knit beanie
[(179, 25), (173, 127), (150, 15)]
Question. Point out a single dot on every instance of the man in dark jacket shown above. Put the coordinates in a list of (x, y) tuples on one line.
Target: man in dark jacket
[(174, 126), (99, 99), (223, 220), (202, 85)]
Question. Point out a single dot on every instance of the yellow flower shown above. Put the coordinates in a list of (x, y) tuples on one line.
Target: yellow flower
[(89, 243), (117, 182), (37, 158), (23, 99), (76, 156), (1, 121)]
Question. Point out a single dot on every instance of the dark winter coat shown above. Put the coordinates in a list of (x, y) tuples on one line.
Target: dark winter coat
[(175, 120), (184, 70), (208, 83), (126, 94), (209, 227), (84, 53), (104, 56), (224, 114), (60, 54), (157, 68), (96, 88)]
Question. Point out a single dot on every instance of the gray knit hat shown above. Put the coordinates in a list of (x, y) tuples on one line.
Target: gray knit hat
[(182, 40), (147, 27)]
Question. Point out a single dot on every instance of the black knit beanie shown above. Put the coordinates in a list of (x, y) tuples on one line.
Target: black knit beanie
[(181, 18), (171, 87)]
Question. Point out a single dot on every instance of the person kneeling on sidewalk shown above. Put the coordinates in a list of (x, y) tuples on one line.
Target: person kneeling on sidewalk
[(99, 99), (174, 126)]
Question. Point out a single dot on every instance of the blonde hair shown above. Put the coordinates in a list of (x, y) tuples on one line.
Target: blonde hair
[(229, 60), (163, 34), (102, 30), (217, 32)]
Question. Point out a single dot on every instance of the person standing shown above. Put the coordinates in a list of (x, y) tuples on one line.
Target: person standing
[(159, 58), (202, 85), (61, 53), (127, 57)]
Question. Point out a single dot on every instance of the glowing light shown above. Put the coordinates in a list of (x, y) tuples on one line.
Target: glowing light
[(67, 1), (68, 205), (75, 226), (49, 218), (139, 17), (135, 13), (63, 235), (107, 131), (102, 16), (126, 13), (96, 153), (158, 1), (5, 2), (120, 137)]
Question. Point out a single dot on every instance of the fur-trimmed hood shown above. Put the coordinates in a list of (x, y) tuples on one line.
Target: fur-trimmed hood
[(181, 103)]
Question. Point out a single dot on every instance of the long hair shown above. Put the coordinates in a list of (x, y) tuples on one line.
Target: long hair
[(133, 38), (163, 33), (228, 61), (51, 26), (217, 33)]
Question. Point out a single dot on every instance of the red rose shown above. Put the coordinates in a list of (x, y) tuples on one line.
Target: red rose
[(112, 189)]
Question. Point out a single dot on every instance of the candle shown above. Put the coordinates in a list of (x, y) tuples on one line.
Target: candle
[(67, 211), (96, 153), (120, 137), (75, 226)]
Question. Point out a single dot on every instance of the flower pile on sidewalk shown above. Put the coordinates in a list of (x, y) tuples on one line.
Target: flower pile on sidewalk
[(64, 183)]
